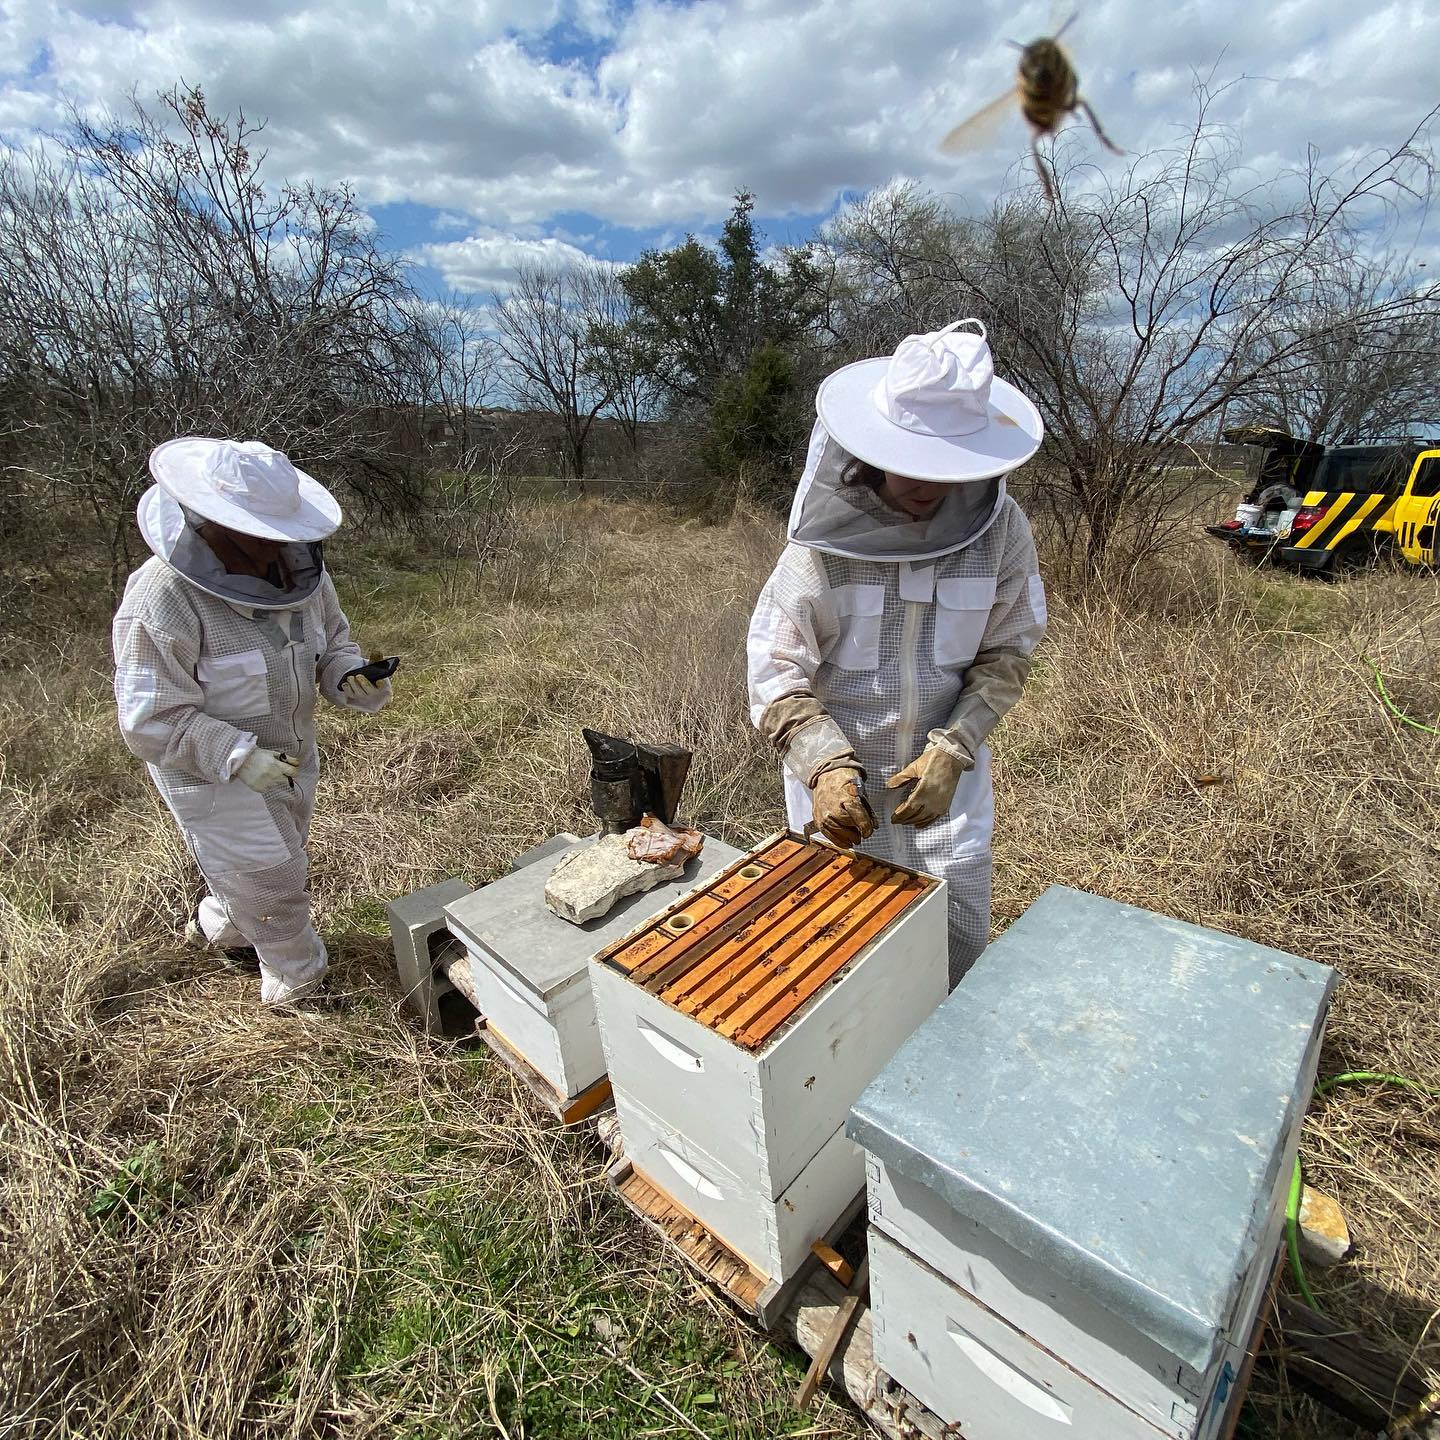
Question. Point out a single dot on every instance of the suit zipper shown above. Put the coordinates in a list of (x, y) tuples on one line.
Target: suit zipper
[(295, 711), (909, 684)]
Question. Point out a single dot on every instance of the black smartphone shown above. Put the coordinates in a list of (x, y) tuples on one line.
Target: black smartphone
[(377, 670)]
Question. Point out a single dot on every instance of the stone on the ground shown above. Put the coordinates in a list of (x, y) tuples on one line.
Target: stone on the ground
[(1324, 1235), (591, 881)]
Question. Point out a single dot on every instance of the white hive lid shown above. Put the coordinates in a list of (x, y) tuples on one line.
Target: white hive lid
[(508, 920)]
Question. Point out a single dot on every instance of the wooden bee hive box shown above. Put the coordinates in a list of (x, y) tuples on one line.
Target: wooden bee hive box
[(740, 1025), (1077, 1174), (527, 970)]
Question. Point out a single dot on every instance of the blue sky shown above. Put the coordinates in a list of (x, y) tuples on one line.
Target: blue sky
[(486, 132)]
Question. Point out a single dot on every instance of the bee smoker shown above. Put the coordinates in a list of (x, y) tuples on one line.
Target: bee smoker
[(629, 780)]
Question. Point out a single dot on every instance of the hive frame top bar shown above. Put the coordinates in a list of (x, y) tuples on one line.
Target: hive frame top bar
[(747, 964)]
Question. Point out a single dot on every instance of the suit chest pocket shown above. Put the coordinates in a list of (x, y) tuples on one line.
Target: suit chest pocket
[(962, 611), (235, 686), (860, 609)]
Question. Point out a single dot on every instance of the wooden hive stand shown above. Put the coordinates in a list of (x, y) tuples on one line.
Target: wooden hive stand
[(567, 1109), (755, 1295)]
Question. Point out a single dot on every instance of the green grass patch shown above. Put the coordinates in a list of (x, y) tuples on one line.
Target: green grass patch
[(368, 915), (473, 1285), (1280, 602)]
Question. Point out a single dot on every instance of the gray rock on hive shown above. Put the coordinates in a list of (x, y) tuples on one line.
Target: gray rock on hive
[(590, 880)]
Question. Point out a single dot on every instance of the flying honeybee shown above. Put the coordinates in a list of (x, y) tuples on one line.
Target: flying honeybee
[(1048, 90)]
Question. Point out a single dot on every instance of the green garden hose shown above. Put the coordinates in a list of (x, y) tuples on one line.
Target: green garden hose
[(1396, 711), (1292, 1236), (1292, 1205), (1350, 1077)]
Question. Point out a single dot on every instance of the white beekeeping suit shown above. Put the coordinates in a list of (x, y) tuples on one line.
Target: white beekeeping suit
[(888, 636), (216, 674)]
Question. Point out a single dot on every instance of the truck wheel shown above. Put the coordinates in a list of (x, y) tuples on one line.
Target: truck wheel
[(1359, 554), (1388, 555)]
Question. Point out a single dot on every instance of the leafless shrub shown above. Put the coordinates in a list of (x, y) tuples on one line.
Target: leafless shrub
[(152, 284), (1139, 308), (550, 326), (1358, 361), (457, 365)]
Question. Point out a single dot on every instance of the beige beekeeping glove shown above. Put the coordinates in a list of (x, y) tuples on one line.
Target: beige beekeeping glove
[(262, 770), (841, 812), (932, 778)]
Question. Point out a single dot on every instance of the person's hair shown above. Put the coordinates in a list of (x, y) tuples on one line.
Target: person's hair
[(859, 472)]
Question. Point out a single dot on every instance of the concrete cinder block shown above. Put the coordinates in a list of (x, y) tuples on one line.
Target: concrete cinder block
[(419, 936)]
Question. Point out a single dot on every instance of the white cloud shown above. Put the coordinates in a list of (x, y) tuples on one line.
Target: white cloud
[(486, 261), (655, 116), (447, 221)]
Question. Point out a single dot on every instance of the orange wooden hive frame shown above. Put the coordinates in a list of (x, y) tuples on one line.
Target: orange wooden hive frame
[(747, 952)]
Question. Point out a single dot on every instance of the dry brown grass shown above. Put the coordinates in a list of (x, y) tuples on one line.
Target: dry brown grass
[(306, 1226)]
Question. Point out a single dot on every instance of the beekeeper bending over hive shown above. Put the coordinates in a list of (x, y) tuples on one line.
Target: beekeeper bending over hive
[(899, 624), (221, 642)]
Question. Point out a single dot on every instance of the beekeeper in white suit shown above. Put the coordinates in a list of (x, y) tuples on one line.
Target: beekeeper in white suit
[(221, 642), (898, 626)]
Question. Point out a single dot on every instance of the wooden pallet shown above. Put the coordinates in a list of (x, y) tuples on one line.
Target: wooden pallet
[(754, 1294), (747, 952), (567, 1109), (1351, 1374), (806, 1306)]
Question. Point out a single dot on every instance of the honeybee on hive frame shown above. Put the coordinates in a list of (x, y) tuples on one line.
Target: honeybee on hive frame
[(1047, 89)]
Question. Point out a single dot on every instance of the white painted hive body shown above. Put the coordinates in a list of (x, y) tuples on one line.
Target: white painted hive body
[(529, 969), (1013, 1348), (555, 1033), (1076, 1174), (739, 1028)]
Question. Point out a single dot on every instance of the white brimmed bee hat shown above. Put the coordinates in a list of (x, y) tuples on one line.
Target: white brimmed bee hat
[(243, 485), (934, 410)]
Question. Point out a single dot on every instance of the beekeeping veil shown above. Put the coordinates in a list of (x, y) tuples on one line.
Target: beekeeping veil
[(852, 520), (933, 411), (247, 487)]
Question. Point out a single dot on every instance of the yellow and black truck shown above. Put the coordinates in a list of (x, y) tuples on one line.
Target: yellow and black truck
[(1327, 508)]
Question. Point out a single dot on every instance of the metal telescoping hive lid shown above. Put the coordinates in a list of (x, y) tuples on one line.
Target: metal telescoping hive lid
[(507, 919), (745, 954), (1111, 1092)]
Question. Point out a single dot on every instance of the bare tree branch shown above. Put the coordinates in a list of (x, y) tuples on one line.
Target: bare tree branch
[(547, 326)]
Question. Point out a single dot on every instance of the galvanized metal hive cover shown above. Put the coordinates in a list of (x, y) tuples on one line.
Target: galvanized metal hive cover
[(751, 949), (1110, 1092)]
